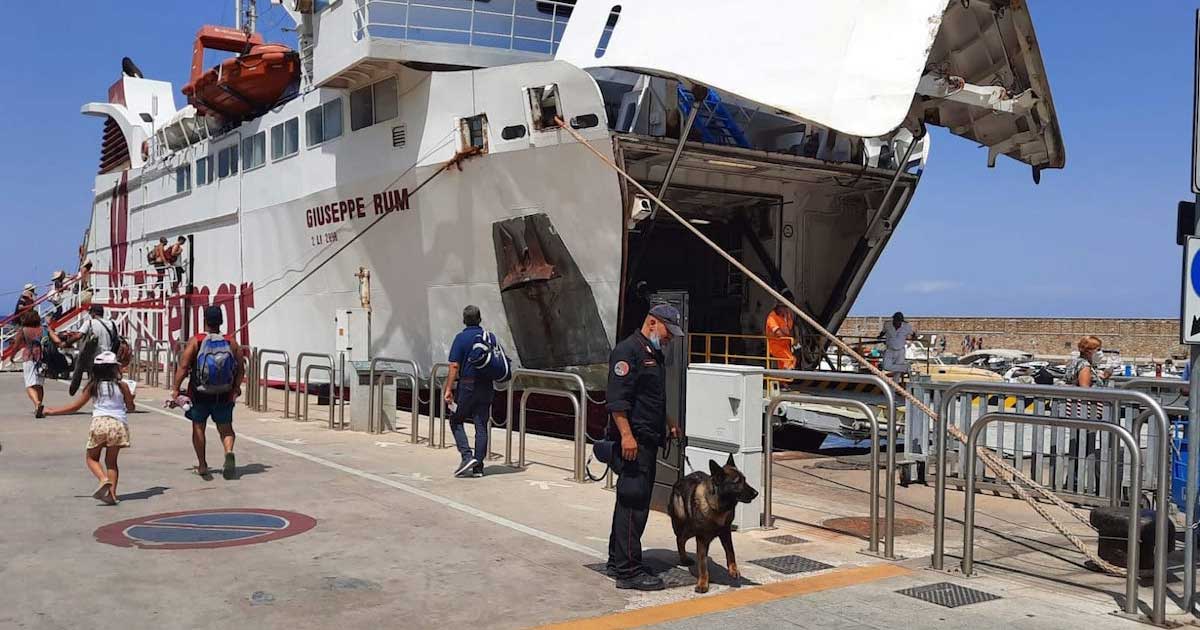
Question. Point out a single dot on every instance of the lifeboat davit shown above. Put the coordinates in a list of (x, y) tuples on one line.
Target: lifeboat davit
[(243, 86)]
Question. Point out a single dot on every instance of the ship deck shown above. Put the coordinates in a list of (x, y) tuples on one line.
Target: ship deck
[(395, 541)]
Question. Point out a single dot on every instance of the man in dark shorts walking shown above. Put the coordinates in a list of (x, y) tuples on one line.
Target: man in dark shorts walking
[(212, 365)]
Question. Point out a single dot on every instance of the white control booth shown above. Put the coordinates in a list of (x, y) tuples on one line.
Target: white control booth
[(725, 417)]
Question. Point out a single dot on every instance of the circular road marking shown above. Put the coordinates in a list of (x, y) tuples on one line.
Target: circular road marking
[(205, 529)]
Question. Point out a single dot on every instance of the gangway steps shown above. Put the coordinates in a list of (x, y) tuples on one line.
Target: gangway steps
[(716, 124)]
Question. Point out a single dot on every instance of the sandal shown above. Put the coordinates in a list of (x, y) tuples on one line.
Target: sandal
[(40, 412), (103, 491)]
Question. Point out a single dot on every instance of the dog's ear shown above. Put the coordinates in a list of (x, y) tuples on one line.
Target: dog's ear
[(716, 471), (729, 462)]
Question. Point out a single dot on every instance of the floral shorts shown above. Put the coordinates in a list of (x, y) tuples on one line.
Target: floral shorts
[(107, 431)]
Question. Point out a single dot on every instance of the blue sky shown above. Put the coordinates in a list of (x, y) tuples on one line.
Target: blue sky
[(1096, 239)]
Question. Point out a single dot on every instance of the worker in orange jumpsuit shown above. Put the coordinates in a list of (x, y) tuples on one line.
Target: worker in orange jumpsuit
[(780, 323)]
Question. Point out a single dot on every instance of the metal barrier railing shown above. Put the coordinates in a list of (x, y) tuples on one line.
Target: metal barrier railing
[(251, 373), (260, 383), (287, 377), (1132, 559), (580, 455), (167, 352), (303, 393), (374, 418), (580, 476), (1094, 395), (1072, 463), (769, 475), (341, 383), (302, 384), (436, 402), (141, 360), (890, 488)]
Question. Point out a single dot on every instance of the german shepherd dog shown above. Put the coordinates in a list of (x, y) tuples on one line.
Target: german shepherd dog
[(702, 507)]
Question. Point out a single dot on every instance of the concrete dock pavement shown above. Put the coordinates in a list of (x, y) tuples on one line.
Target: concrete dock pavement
[(395, 540)]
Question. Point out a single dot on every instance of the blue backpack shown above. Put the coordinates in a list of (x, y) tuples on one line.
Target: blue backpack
[(214, 368), (487, 357)]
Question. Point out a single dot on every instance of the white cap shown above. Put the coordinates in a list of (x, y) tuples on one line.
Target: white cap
[(106, 358)]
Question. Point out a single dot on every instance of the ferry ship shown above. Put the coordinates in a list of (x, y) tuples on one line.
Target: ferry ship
[(791, 132)]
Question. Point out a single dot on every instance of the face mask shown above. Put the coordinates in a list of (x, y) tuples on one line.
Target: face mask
[(655, 341), (1097, 356)]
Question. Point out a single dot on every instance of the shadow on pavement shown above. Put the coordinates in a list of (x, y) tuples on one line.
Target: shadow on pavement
[(144, 494)]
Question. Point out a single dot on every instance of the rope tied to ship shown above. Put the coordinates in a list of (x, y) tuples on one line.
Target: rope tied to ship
[(1010, 475), (455, 162)]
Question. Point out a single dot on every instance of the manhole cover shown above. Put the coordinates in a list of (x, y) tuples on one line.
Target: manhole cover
[(786, 540), (789, 565), (861, 526), (948, 594), (204, 529)]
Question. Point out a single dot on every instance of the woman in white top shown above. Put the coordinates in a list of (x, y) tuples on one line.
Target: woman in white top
[(109, 430)]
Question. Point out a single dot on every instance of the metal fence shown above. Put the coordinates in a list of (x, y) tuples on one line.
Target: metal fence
[(1082, 466)]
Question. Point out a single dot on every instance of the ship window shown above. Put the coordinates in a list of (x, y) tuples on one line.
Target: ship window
[(543, 104), (474, 132), (514, 132), (324, 122), (204, 171), (586, 121), (374, 104), (614, 16), (183, 178), (361, 108), (285, 139), (254, 151), (227, 161)]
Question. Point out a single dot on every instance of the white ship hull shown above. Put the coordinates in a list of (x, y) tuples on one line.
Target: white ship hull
[(536, 231)]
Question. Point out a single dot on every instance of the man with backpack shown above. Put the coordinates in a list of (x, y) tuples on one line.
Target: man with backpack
[(212, 365), (477, 363)]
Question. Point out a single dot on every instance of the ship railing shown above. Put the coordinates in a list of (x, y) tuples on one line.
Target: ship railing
[(532, 26), (737, 349), (573, 389)]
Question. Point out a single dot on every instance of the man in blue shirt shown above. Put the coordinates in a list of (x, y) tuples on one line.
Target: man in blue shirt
[(472, 399)]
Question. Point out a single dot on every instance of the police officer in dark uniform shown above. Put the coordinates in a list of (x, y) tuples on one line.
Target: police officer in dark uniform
[(637, 402)]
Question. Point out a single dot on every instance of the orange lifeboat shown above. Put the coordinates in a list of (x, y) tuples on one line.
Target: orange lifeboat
[(243, 86)]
